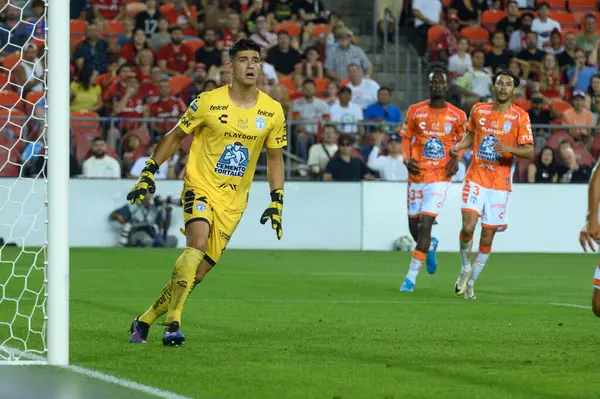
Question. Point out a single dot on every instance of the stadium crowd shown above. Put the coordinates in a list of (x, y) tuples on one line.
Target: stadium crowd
[(137, 64), (552, 46)]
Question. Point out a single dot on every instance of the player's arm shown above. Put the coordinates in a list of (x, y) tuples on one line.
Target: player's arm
[(276, 140), (165, 149), (591, 231), (524, 148), (464, 144), (407, 132)]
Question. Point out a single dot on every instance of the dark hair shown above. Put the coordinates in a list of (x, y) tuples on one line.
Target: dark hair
[(209, 29), (345, 138), (243, 45), (478, 50), (37, 3), (526, 14), (538, 161), (330, 125), (541, 4), (175, 28), (497, 32), (507, 72), (97, 139), (283, 32), (308, 81), (85, 77), (512, 2), (384, 88), (344, 89), (436, 67)]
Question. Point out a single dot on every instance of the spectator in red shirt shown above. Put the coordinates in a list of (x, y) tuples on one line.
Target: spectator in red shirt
[(167, 107), (551, 84), (228, 34), (192, 90), (130, 50), (149, 88), (131, 105), (144, 62), (118, 87), (107, 9), (184, 17), (175, 57), (447, 44)]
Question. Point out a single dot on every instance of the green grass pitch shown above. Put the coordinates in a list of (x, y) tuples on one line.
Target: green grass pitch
[(308, 324)]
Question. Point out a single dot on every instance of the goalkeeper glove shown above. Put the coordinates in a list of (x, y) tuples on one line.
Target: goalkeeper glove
[(274, 211), (145, 183)]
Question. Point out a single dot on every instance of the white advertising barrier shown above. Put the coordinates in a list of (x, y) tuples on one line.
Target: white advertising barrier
[(541, 217), (336, 216)]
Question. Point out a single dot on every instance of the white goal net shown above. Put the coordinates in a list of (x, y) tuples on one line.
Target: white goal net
[(23, 180)]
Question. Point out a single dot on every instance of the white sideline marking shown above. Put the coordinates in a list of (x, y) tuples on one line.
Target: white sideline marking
[(570, 305), (159, 393)]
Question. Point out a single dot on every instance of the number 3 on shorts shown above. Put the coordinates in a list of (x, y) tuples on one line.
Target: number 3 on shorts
[(415, 194)]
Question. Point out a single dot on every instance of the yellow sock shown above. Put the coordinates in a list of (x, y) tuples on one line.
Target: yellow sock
[(159, 307), (182, 281)]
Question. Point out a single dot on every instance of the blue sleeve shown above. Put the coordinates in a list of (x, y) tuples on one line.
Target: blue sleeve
[(124, 211), (399, 115), (369, 112)]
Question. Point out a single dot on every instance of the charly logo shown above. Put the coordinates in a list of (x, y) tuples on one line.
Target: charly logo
[(486, 149), (233, 160), (433, 149)]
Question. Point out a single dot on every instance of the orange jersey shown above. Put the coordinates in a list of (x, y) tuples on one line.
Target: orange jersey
[(427, 135), (512, 128)]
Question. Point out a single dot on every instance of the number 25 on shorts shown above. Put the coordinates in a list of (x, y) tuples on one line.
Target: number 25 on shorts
[(415, 194)]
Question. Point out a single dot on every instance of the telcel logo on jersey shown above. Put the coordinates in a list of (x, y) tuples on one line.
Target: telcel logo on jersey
[(219, 107), (233, 160), (265, 113)]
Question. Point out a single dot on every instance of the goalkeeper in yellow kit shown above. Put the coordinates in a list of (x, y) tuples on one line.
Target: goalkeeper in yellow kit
[(230, 126)]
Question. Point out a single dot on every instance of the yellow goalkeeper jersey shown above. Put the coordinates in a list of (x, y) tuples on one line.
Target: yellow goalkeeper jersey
[(227, 143)]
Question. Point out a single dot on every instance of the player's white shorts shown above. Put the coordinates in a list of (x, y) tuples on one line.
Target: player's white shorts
[(597, 277), (489, 204), (426, 198)]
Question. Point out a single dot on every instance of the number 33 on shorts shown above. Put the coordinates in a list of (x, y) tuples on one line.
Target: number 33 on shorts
[(487, 203)]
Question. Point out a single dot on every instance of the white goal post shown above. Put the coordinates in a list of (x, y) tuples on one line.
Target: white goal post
[(34, 279)]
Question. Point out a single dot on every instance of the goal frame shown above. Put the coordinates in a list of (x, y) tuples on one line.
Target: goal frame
[(58, 120)]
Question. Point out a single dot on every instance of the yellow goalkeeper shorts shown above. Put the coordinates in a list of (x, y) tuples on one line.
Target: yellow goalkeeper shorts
[(197, 207)]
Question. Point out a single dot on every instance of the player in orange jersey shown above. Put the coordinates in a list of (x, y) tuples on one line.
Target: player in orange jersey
[(498, 131), (591, 232), (430, 129)]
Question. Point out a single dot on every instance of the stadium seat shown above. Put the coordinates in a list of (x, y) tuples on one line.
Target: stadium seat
[(166, 8), (10, 61), (77, 27), (3, 81), (564, 18), (566, 29), (434, 33), (288, 83), (31, 100), (115, 28), (580, 16), (560, 105), (477, 35), (554, 4), (83, 143), (178, 82), (523, 103), (89, 121), (555, 139), (321, 84), (490, 19), (582, 5), (10, 99), (583, 156), (134, 7), (521, 12), (595, 147), (9, 162), (294, 29), (320, 29), (194, 44)]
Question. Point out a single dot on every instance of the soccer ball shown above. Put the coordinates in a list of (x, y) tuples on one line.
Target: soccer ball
[(404, 244)]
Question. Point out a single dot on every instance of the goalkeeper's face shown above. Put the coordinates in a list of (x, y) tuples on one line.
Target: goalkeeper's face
[(246, 67)]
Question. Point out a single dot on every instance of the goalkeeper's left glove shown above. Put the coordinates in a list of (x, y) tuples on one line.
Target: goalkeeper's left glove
[(274, 211), (145, 183)]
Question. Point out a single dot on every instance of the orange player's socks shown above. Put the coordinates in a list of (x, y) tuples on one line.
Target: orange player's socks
[(465, 251), (480, 260), (416, 263)]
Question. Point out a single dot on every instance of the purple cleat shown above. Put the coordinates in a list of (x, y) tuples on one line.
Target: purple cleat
[(173, 335), (139, 332)]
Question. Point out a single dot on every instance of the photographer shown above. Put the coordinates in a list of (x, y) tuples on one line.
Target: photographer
[(146, 225)]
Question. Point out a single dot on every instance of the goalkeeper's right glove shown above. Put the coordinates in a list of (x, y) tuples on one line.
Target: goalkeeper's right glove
[(273, 212), (145, 183)]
